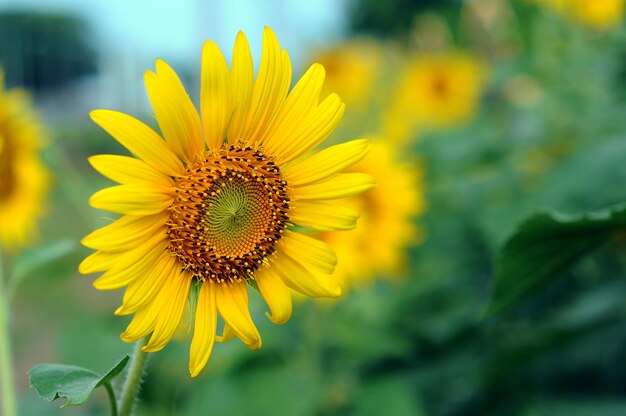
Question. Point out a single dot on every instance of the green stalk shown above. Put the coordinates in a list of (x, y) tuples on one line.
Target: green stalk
[(111, 395), (9, 407), (133, 379)]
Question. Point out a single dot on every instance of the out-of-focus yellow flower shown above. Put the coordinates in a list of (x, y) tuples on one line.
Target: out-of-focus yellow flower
[(352, 69), (598, 14), (210, 205), (23, 177), (386, 227), (435, 91)]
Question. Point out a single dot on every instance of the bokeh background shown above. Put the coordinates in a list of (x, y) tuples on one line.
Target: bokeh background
[(523, 107)]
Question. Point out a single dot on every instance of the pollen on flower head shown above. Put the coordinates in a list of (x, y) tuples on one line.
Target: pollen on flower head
[(229, 211)]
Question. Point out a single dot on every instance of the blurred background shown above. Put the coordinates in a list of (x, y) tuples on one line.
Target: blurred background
[(481, 112)]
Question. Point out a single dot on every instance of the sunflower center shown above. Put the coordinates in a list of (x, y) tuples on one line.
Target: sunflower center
[(7, 175), (440, 86), (237, 216), (229, 211)]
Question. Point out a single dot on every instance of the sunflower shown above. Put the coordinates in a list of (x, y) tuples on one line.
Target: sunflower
[(352, 69), (388, 212), (23, 178), (215, 207), (597, 14), (435, 91)]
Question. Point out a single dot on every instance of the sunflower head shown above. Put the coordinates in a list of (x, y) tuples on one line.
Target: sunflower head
[(23, 177), (596, 14), (218, 198), (387, 225), (435, 91), (228, 212), (352, 69)]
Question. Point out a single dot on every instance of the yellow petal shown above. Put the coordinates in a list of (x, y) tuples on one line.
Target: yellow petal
[(125, 233), (204, 329), (339, 186), (142, 323), (242, 84), (133, 199), (177, 117), (121, 260), (313, 129), (227, 334), (305, 281), (140, 139), (310, 252), (276, 295), (323, 216), (300, 102), (130, 267), (148, 283), (232, 303), (124, 170), (97, 262), (270, 89), (174, 297), (145, 319), (215, 95), (327, 162)]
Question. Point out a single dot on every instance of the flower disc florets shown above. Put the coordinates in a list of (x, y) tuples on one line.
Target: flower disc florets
[(229, 211)]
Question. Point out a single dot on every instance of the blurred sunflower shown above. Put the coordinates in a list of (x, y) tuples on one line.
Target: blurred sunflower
[(387, 223), (23, 177), (597, 14), (212, 205), (352, 69), (435, 91)]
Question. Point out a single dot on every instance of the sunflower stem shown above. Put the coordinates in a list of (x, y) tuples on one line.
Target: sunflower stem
[(9, 407), (134, 378)]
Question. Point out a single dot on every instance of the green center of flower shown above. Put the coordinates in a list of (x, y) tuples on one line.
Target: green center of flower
[(229, 211), (237, 216)]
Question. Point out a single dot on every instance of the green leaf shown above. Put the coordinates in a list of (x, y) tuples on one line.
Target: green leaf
[(544, 246), (115, 371), (53, 381)]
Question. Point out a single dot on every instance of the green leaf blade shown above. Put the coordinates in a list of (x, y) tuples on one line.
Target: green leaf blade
[(546, 245), (54, 381), (115, 371)]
